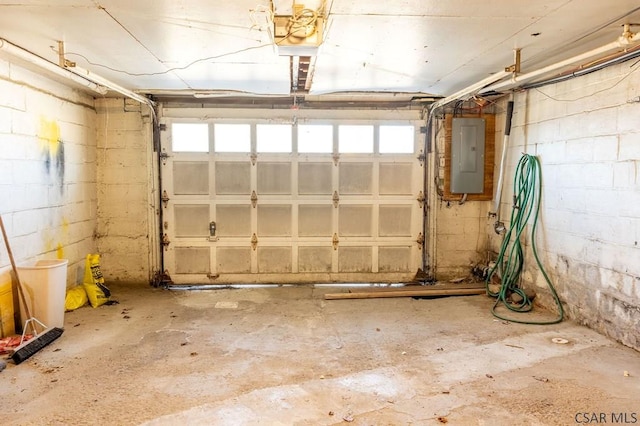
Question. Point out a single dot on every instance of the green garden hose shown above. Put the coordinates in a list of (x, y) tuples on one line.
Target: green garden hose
[(510, 262)]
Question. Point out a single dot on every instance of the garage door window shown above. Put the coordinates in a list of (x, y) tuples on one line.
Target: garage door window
[(232, 137), (273, 137), (396, 139), (190, 137), (315, 138), (355, 139)]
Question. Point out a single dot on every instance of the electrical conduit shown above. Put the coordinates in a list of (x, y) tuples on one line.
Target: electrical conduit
[(503, 159)]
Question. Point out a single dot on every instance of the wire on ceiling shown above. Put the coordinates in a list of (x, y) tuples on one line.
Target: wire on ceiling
[(190, 64)]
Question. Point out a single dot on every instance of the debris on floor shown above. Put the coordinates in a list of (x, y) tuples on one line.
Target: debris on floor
[(8, 344), (226, 305)]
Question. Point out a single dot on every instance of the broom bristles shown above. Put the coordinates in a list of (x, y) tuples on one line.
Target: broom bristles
[(29, 348)]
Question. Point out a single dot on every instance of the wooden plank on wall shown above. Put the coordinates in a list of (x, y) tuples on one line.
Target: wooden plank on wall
[(489, 158)]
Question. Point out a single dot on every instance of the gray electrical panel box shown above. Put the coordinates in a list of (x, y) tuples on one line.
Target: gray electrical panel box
[(467, 156)]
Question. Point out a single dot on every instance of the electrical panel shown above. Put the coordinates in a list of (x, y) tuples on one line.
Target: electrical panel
[(467, 155)]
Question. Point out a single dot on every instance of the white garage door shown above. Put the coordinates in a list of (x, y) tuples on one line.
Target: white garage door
[(262, 202)]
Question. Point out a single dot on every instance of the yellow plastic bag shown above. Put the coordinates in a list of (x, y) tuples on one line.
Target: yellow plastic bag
[(93, 282), (76, 298)]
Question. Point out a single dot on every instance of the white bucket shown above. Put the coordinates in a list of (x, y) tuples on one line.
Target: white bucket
[(44, 283)]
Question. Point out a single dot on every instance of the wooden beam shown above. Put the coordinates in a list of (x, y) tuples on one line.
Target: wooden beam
[(411, 292)]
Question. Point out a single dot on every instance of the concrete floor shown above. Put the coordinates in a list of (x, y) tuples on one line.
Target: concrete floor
[(285, 356)]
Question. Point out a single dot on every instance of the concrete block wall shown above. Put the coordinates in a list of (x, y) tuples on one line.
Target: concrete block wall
[(125, 190), (47, 169), (461, 237), (586, 134)]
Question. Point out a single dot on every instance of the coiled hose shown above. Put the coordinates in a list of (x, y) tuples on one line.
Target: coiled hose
[(510, 261)]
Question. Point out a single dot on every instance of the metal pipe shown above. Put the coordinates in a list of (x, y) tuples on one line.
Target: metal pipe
[(503, 160), (474, 88), (76, 74), (40, 62), (111, 85), (624, 40), (584, 71)]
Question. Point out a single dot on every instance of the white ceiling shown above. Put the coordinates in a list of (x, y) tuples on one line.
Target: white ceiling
[(394, 46)]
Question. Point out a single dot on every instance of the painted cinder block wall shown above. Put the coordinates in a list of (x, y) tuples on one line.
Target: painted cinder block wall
[(48, 188), (126, 196), (586, 133)]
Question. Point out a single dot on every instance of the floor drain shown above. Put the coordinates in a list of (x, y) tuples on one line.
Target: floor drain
[(560, 340)]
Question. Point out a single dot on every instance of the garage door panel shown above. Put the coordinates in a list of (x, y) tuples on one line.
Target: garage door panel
[(394, 221), (274, 220), (315, 220), (356, 179), (315, 178), (192, 260), (396, 178), (191, 177), (233, 220), (274, 260), (394, 259), (315, 259), (344, 213), (274, 178), (355, 220), (232, 260), (355, 259), (233, 178), (191, 220)]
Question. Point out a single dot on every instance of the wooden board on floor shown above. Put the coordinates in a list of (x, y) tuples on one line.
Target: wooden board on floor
[(411, 291)]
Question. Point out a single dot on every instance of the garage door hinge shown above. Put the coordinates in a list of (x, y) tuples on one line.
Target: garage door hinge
[(420, 199), (335, 241), (163, 156), (162, 127), (254, 241), (420, 240), (165, 241), (421, 157), (165, 198), (336, 199), (423, 130), (336, 159), (254, 199)]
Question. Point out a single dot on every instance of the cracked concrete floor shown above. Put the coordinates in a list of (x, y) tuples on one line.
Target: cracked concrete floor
[(285, 356)]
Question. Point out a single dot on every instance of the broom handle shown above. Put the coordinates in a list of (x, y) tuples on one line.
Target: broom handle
[(15, 270)]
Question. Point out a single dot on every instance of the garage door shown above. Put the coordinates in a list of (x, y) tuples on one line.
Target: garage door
[(265, 202)]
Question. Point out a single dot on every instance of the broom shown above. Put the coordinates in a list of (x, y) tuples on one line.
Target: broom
[(39, 341)]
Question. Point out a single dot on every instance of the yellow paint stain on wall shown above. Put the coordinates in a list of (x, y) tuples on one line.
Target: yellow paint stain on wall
[(60, 251), (49, 135)]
